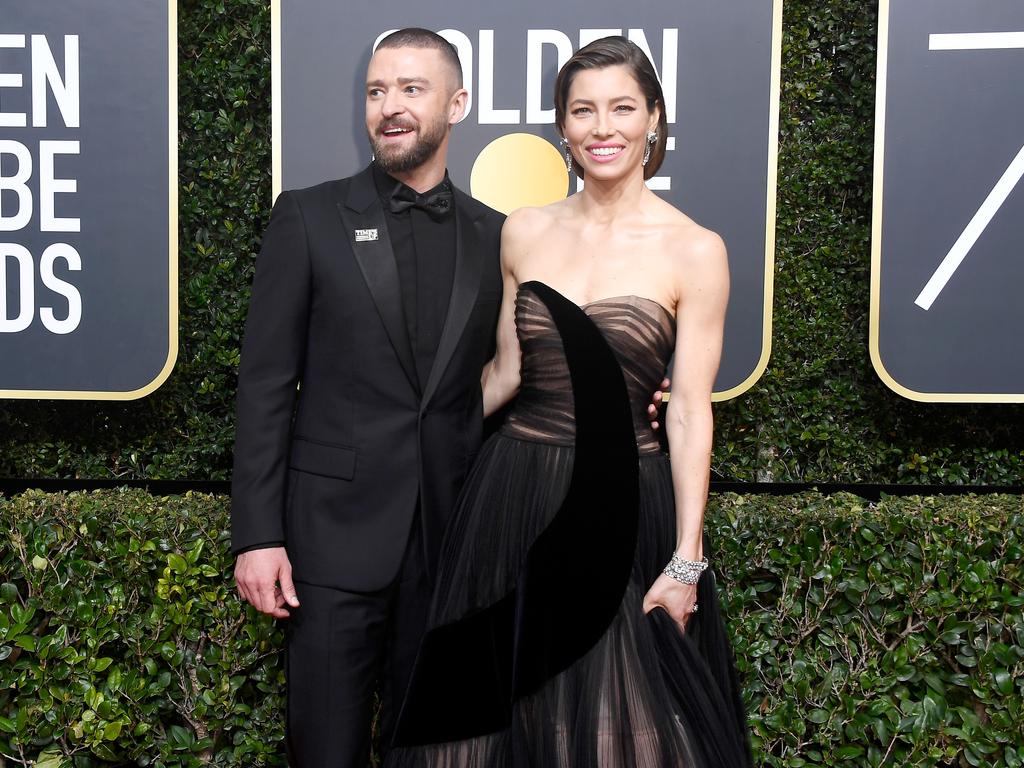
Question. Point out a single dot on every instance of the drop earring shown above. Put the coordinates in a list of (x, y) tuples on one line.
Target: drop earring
[(652, 139), (568, 154)]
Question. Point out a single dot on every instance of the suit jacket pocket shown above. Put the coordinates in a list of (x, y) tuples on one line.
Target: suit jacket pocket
[(325, 459)]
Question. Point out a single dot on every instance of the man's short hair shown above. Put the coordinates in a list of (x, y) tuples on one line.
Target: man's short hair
[(417, 37)]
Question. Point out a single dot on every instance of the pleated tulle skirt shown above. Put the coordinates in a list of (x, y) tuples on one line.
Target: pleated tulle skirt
[(645, 695)]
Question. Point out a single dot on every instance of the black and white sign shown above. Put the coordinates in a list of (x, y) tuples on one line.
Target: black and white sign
[(947, 259), (88, 200), (718, 64)]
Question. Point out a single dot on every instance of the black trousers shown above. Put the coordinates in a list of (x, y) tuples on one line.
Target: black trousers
[(343, 646)]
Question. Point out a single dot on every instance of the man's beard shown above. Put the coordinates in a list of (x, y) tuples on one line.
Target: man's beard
[(397, 160)]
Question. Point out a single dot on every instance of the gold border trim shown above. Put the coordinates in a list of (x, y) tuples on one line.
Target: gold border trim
[(172, 249), (770, 212), (276, 107), (887, 378)]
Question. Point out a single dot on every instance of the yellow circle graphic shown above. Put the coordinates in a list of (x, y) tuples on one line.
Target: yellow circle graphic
[(516, 170)]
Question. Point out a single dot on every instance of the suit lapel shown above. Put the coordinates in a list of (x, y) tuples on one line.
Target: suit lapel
[(465, 287), (363, 218)]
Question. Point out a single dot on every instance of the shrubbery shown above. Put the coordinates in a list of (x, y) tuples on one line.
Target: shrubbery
[(878, 634), (865, 634), (123, 639)]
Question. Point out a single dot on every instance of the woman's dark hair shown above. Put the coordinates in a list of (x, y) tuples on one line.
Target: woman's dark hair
[(610, 52)]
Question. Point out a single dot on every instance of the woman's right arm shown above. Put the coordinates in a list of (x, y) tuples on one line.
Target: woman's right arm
[(500, 377)]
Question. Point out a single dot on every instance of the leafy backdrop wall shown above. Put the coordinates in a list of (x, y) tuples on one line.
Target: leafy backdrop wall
[(818, 414)]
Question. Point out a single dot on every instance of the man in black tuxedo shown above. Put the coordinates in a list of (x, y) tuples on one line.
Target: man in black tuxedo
[(359, 403)]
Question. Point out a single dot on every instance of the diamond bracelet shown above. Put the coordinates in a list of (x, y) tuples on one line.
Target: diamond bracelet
[(685, 571)]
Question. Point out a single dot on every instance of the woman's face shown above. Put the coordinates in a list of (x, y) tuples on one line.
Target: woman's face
[(606, 122)]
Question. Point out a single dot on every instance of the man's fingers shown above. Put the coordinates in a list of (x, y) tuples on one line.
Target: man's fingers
[(268, 600), (278, 612), (264, 579), (288, 588), (250, 592), (243, 588)]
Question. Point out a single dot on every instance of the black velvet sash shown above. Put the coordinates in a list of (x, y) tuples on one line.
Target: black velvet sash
[(469, 673)]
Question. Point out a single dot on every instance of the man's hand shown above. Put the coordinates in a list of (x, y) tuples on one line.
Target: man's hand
[(264, 578), (656, 398)]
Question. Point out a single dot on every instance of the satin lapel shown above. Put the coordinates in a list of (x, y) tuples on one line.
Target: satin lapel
[(465, 287), (363, 211)]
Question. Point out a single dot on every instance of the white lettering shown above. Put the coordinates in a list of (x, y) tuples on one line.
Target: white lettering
[(49, 186), (464, 46), (26, 292), (11, 80), (488, 115), (61, 287), (669, 74), (16, 184), (380, 37), (44, 72), (536, 39)]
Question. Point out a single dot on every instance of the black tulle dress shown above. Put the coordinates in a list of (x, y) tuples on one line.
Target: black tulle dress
[(538, 652)]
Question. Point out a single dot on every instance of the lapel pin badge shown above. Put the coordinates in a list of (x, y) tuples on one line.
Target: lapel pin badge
[(366, 235)]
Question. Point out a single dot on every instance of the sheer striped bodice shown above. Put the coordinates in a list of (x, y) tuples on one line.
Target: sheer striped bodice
[(640, 332)]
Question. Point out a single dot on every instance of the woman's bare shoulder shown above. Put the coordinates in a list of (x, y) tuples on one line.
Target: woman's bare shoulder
[(689, 240), (523, 221), (527, 229)]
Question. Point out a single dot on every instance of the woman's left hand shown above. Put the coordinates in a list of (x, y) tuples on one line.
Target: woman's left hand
[(678, 599)]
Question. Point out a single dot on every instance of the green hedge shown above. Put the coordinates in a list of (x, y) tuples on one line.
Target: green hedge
[(818, 414), (865, 634), (123, 641)]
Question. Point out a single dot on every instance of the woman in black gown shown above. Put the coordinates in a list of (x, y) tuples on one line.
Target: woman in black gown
[(565, 628)]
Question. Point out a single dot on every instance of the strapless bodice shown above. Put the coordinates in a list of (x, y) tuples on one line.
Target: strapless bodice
[(639, 331)]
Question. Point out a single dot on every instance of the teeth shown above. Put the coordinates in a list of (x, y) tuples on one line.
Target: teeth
[(605, 150)]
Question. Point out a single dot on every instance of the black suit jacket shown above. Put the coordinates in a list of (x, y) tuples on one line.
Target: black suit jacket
[(335, 443)]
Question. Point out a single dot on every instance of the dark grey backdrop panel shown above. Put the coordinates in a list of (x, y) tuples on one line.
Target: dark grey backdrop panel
[(954, 122), (123, 343), (718, 172)]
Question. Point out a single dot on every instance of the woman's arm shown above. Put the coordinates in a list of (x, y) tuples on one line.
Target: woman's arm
[(500, 377), (700, 321)]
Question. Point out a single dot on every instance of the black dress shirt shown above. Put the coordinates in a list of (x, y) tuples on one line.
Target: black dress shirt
[(424, 248)]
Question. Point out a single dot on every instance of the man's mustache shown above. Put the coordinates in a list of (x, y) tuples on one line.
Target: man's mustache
[(390, 125)]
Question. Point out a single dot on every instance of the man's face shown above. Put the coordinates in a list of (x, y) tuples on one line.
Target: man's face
[(411, 101)]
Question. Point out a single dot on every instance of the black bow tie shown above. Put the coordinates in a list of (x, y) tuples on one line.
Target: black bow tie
[(436, 204)]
